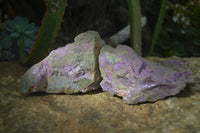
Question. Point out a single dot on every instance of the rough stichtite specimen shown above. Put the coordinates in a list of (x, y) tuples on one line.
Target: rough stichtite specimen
[(69, 69), (137, 80), (88, 64)]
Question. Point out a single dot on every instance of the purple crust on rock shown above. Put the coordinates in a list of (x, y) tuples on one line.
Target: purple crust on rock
[(137, 80), (68, 69)]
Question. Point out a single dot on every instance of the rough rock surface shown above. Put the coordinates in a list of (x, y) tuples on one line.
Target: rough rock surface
[(95, 111), (75, 68), (137, 80), (69, 69)]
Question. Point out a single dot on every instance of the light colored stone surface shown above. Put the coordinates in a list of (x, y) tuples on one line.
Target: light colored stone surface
[(69, 69), (97, 111), (137, 80)]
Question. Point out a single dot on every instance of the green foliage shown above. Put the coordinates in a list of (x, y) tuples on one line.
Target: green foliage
[(158, 26), (50, 25), (173, 42), (181, 33), (135, 24), (17, 30)]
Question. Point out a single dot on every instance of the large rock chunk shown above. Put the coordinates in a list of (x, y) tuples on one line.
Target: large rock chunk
[(137, 80), (70, 69)]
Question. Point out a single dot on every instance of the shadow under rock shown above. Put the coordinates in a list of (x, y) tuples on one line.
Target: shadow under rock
[(187, 91), (99, 90), (40, 93)]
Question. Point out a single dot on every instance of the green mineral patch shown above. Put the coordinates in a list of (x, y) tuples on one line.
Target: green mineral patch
[(113, 58), (85, 82), (69, 58)]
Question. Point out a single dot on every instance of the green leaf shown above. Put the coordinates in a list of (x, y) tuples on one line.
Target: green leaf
[(31, 26), (21, 51), (29, 32), (48, 30), (135, 25), (14, 35), (28, 43), (31, 36), (158, 26)]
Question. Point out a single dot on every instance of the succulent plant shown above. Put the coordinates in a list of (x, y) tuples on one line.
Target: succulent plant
[(17, 31)]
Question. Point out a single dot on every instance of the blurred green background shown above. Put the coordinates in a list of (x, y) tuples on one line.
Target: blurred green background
[(179, 35)]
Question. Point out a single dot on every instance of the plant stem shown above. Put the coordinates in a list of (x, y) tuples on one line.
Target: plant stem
[(135, 23), (158, 26), (22, 57), (51, 23)]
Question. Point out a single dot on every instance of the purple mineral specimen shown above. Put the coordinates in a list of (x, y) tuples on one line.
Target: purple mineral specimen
[(77, 68), (137, 80), (70, 69)]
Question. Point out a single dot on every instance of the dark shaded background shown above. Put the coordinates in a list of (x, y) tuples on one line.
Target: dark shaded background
[(108, 17)]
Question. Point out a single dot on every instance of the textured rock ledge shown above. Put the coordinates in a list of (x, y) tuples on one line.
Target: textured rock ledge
[(96, 112), (69, 69)]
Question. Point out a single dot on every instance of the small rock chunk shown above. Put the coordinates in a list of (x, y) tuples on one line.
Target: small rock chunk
[(137, 80), (69, 69)]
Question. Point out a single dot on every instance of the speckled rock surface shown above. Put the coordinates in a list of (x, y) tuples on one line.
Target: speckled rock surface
[(137, 80), (69, 69), (95, 111), (80, 67)]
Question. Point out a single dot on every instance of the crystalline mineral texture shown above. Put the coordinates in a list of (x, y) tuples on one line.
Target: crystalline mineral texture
[(87, 63), (137, 80), (69, 69)]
